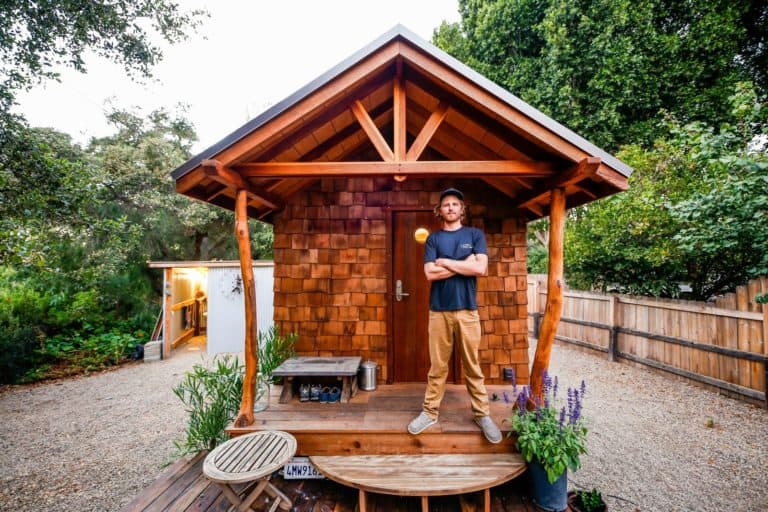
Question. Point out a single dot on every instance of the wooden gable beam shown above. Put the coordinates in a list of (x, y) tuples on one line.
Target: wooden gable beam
[(579, 172), (340, 136), (519, 168), (229, 178), (370, 128), (398, 102), (427, 132)]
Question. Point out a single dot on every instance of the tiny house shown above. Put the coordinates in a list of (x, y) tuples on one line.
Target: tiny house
[(348, 170)]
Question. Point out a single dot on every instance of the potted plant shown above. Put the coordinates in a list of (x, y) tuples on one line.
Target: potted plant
[(551, 438), (587, 501)]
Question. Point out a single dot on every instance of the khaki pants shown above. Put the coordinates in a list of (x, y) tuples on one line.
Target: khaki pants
[(464, 327)]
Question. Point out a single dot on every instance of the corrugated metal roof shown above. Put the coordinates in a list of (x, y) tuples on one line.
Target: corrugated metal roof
[(401, 32), (207, 264)]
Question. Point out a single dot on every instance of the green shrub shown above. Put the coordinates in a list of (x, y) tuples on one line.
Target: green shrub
[(73, 354), (212, 399), (18, 348), (274, 348)]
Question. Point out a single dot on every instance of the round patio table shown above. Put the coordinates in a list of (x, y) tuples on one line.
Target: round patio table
[(248, 458)]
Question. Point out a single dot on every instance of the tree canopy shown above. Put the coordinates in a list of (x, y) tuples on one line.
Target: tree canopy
[(607, 68), (39, 37)]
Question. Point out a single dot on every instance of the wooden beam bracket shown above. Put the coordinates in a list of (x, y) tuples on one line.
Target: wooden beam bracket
[(586, 168), (229, 178)]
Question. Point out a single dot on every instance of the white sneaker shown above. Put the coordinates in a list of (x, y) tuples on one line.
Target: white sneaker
[(489, 428), (420, 423)]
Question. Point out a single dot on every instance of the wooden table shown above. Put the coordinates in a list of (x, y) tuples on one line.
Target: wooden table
[(251, 457), (422, 475), (343, 368)]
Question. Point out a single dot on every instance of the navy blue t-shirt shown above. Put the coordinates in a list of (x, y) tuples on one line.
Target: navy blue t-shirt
[(457, 292)]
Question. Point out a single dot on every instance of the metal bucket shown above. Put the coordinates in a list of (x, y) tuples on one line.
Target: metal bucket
[(366, 375)]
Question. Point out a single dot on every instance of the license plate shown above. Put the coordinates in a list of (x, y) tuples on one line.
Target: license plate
[(300, 467)]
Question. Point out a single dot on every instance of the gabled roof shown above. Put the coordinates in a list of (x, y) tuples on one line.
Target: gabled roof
[(401, 106)]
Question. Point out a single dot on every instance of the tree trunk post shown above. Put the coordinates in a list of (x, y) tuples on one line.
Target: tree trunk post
[(555, 285), (245, 415)]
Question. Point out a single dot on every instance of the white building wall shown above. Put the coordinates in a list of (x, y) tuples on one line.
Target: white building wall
[(226, 306)]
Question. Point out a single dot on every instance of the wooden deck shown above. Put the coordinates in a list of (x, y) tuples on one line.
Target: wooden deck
[(183, 488), (374, 423)]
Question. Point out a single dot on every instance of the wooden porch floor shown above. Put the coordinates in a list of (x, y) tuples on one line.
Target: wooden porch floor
[(183, 488), (374, 422)]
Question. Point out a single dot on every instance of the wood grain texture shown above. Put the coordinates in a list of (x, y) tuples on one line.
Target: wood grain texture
[(249, 457), (245, 415), (555, 285), (421, 475)]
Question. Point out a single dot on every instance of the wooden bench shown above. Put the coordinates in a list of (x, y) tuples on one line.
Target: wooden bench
[(343, 368), (252, 457), (421, 475)]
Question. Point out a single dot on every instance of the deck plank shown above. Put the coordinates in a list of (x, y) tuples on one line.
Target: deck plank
[(177, 490), (165, 480)]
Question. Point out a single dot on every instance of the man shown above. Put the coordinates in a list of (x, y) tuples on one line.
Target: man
[(453, 258)]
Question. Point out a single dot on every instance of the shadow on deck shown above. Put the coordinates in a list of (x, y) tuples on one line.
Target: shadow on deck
[(183, 488)]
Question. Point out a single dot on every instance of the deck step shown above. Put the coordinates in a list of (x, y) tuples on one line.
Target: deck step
[(374, 423)]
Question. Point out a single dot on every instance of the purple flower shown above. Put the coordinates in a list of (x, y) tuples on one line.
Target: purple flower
[(583, 388), (522, 398), (562, 417), (506, 398), (576, 413), (554, 388)]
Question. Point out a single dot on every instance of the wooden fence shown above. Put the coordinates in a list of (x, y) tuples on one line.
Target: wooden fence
[(722, 344)]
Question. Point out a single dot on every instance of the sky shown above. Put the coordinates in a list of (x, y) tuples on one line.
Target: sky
[(247, 56)]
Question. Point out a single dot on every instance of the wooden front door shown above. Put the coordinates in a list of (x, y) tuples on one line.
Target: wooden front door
[(410, 314)]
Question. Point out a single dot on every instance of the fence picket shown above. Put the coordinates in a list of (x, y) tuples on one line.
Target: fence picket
[(723, 344)]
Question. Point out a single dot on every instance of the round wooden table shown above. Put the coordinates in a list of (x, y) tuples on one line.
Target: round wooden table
[(247, 458)]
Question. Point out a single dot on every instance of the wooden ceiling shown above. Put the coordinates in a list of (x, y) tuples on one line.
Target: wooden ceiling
[(401, 108)]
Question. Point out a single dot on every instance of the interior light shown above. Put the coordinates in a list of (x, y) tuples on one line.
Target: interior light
[(420, 235), (400, 177)]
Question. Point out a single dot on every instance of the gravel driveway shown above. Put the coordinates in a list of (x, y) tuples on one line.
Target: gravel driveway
[(93, 443)]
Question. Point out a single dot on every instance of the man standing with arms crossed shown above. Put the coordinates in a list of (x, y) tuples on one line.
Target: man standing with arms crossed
[(453, 258)]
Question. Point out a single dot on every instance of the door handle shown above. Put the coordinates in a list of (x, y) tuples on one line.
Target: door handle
[(399, 293)]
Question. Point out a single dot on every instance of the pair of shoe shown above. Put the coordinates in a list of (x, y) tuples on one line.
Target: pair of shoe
[(314, 392), (329, 395), (304, 393), (423, 421)]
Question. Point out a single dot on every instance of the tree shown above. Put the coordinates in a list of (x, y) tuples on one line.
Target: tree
[(135, 166), (38, 184), (696, 213), (606, 68), (37, 37)]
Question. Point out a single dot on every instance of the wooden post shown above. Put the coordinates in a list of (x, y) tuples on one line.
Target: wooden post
[(245, 415), (167, 313), (613, 334), (555, 285)]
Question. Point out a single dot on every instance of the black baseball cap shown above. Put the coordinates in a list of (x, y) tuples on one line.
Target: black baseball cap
[(451, 192)]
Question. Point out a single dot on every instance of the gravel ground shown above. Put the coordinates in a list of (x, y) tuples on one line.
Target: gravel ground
[(93, 443), (650, 446)]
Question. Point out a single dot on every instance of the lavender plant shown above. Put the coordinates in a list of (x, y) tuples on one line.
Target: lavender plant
[(554, 435)]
